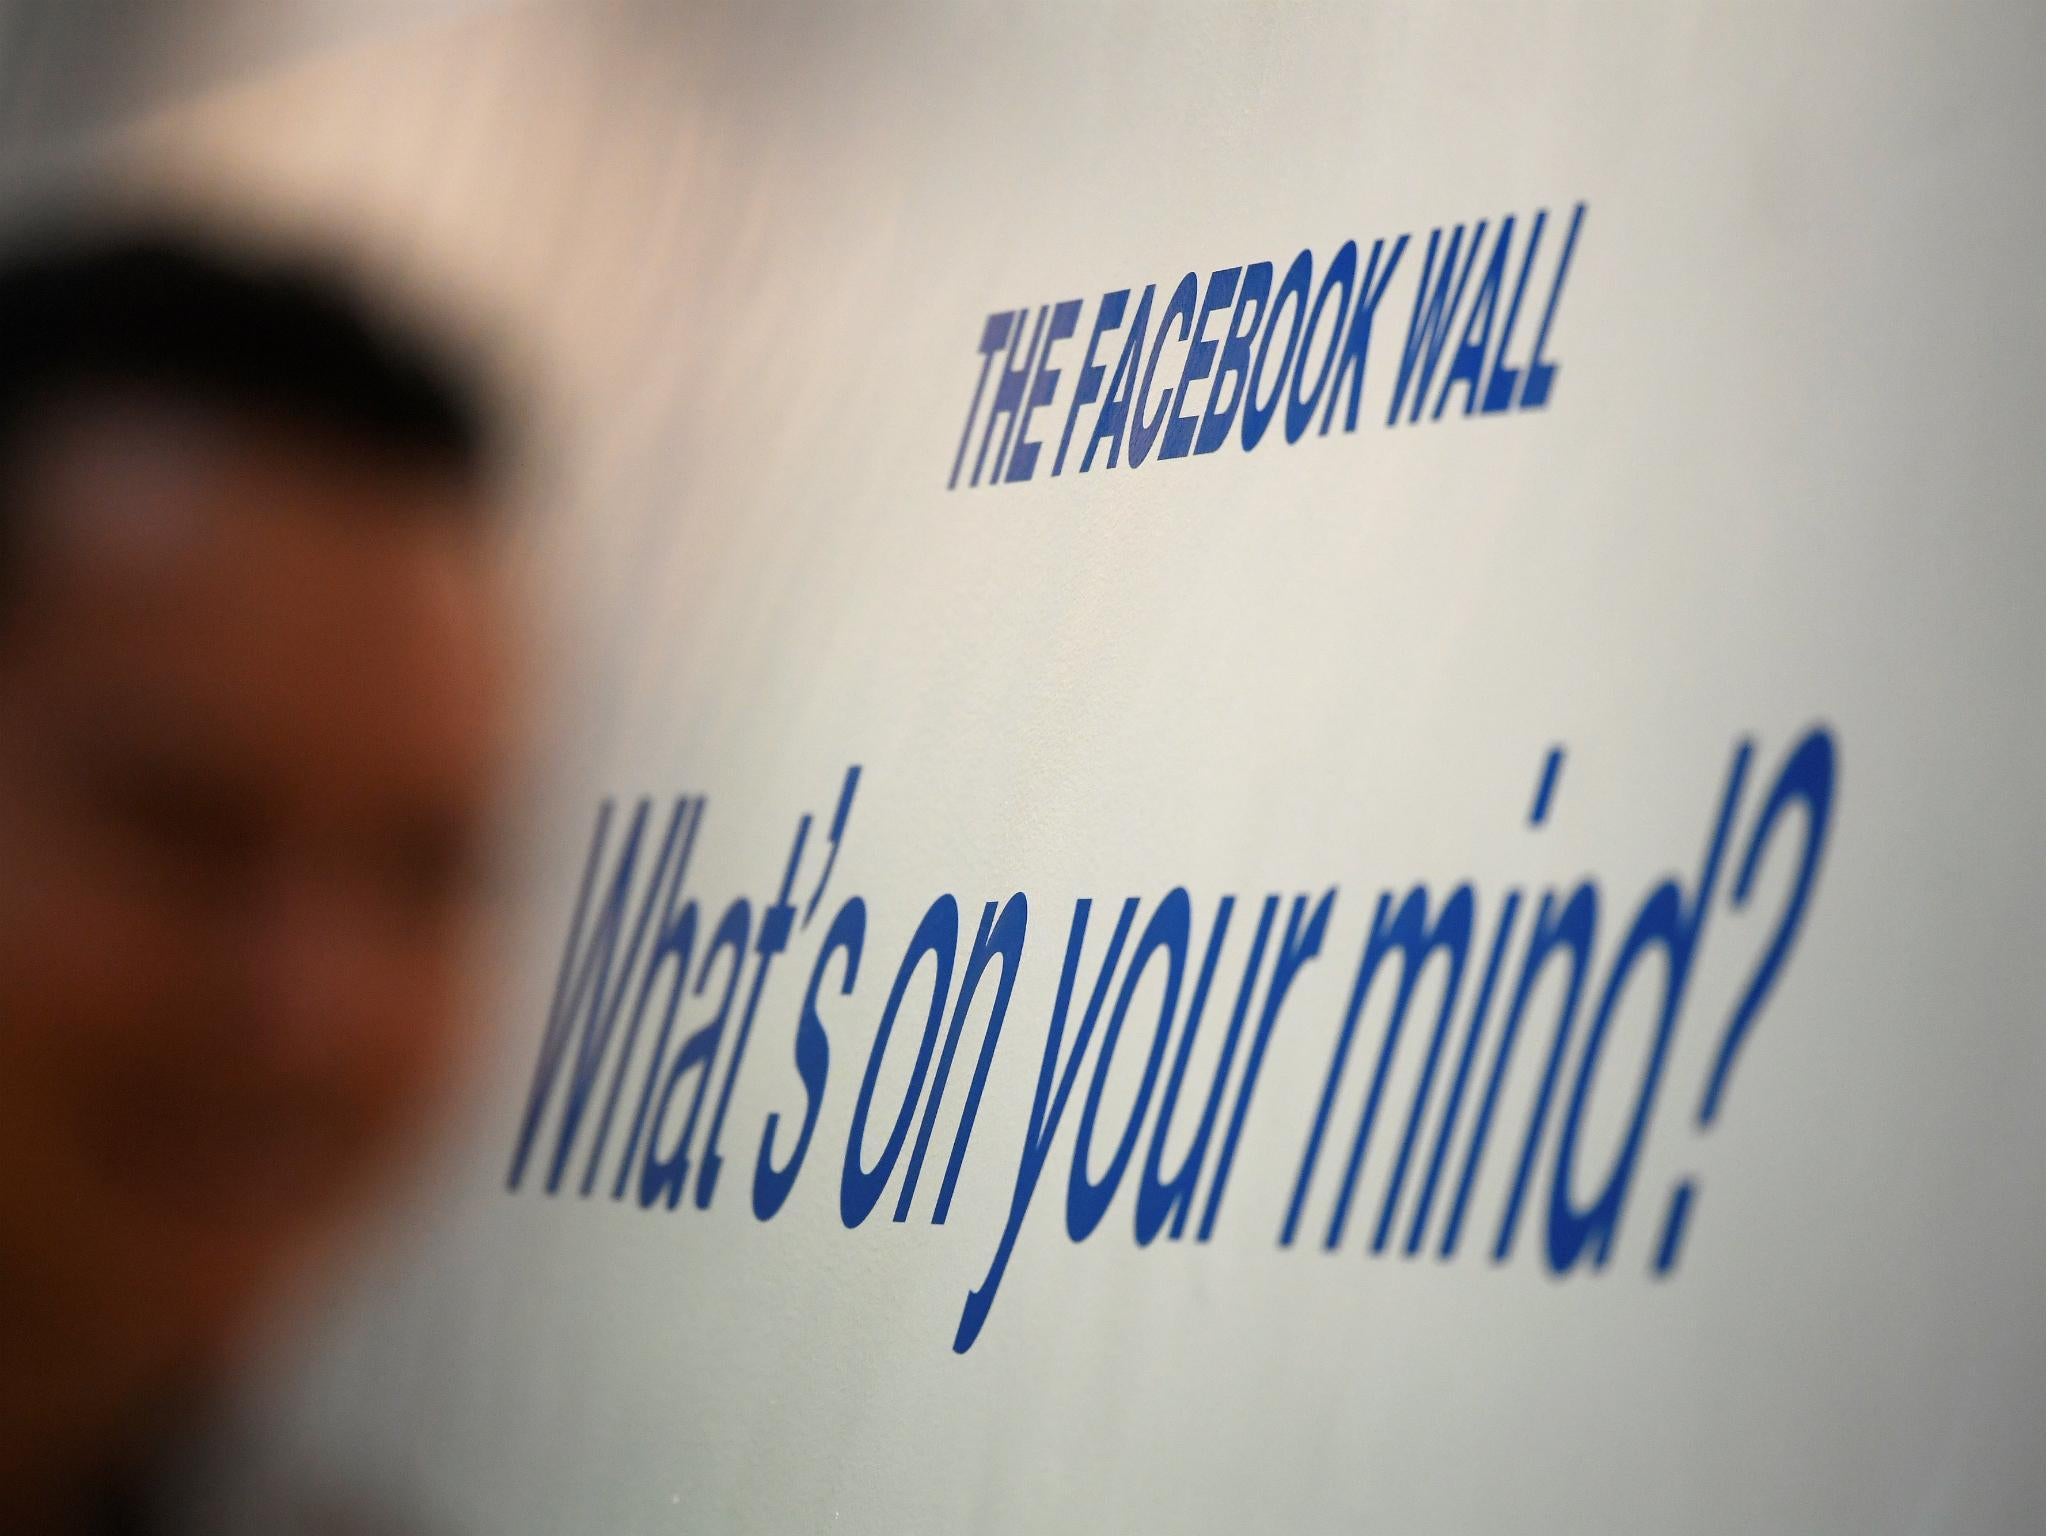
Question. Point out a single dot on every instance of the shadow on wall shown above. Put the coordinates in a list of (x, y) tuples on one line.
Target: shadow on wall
[(71, 68)]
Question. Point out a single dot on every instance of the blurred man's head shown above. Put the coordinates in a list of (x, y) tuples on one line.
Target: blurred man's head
[(253, 665)]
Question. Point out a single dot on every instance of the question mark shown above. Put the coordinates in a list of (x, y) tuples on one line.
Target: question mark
[(1808, 777)]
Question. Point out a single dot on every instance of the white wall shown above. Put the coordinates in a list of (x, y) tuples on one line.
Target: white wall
[(1791, 476)]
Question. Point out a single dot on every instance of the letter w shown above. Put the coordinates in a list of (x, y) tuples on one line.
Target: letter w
[(588, 988), (1431, 322)]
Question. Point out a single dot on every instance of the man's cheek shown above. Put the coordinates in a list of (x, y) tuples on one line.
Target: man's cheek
[(410, 1063), (105, 957), (68, 994)]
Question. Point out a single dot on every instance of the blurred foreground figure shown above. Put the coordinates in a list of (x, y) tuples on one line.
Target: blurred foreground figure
[(253, 715)]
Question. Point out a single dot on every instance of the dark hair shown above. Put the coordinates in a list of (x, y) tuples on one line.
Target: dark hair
[(190, 316)]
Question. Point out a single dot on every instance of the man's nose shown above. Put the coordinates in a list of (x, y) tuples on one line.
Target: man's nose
[(318, 972)]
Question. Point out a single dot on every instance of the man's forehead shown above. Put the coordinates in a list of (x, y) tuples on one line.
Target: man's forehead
[(255, 576), (136, 487)]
